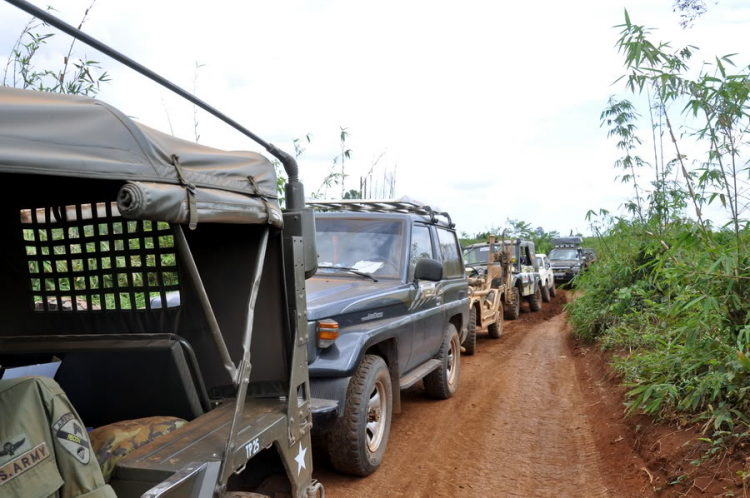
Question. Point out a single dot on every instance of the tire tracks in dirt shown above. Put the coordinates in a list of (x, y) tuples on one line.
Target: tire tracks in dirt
[(517, 427)]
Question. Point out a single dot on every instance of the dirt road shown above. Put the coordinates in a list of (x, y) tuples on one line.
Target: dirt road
[(519, 426)]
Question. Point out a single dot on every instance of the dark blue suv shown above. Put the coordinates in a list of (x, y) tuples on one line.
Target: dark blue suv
[(388, 307)]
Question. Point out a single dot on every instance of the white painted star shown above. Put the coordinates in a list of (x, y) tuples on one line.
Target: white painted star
[(300, 458)]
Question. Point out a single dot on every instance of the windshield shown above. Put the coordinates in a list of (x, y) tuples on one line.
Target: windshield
[(478, 255), (368, 246), (558, 254)]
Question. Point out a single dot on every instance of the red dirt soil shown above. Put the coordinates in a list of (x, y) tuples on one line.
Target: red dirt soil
[(665, 451), (518, 426), (537, 414)]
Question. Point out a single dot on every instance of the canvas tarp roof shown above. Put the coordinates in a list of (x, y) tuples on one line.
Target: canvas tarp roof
[(67, 135)]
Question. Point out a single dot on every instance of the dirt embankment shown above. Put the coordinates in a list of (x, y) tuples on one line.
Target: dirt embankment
[(531, 418), (666, 453)]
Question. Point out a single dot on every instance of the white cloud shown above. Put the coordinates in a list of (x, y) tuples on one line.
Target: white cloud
[(489, 109)]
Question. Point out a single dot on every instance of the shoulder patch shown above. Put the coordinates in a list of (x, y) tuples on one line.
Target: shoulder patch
[(23, 462), (71, 435)]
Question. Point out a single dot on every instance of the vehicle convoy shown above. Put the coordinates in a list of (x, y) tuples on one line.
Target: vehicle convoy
[(567, 258), (205, 396), (522, 283), (388, 307), (547, 277), (487, 290)]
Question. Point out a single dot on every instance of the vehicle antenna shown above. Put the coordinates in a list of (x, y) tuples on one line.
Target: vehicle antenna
[(295, 197)]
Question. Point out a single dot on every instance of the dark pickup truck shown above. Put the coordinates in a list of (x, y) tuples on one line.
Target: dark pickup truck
[(388, 307), (567, 258)]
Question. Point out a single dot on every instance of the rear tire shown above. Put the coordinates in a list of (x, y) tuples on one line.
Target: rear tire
[(495, 329), (470, 343), (358, 441), (553, 289), (443, 382), (512, 311), (545, 294), (535, 300)]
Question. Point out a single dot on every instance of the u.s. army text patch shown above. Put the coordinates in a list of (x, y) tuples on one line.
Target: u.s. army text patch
[(23, 462)]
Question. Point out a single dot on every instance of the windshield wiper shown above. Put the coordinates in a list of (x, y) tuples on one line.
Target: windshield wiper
[(350, 270)]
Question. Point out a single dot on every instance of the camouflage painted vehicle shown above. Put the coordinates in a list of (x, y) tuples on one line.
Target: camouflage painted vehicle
[(522, 281), (487, 290), (205, 396)]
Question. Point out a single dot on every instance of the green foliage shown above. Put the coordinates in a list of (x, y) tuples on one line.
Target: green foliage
[(689, 10), (145, 268), (671, 294), (76, 77), (675, 311)]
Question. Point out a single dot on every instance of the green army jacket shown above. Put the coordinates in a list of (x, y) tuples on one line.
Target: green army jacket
[(44, 448)]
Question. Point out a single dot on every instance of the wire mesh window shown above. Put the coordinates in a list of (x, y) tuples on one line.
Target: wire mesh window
[(87, 257)]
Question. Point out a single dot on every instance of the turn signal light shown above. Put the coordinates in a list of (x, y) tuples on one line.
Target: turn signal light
[(328, 331)]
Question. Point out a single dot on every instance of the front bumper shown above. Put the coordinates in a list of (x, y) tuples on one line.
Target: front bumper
[(332, 392), (564, 274), (324, 414)]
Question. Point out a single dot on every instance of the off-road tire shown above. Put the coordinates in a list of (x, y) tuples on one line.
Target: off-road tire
[(438, 384), (512, 311), (347, 442), (553, 289), (470, 343), (545, 294), (495, 329), (535, 300)]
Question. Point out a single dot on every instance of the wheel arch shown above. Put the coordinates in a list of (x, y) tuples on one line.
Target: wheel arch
[(478, 308), (457, 321), (387, 349)]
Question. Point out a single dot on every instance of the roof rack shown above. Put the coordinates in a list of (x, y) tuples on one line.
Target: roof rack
[(403, 205)]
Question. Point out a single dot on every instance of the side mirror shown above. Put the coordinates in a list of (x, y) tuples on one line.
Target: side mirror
[(428, 269)]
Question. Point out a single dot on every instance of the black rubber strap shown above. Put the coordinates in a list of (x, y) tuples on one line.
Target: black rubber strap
[(190, 187)]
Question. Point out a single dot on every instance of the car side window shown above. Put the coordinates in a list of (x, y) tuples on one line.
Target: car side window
[(421, 247), (452, 263)]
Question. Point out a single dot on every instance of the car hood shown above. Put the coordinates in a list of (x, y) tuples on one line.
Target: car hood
[(330, 296)]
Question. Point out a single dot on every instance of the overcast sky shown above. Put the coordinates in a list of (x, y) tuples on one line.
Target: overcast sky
[(487, 109)]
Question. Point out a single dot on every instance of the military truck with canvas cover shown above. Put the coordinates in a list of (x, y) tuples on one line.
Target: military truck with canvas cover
[(388, 308), (204, 396), (523, 282), (487, 290), (567, 258)]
